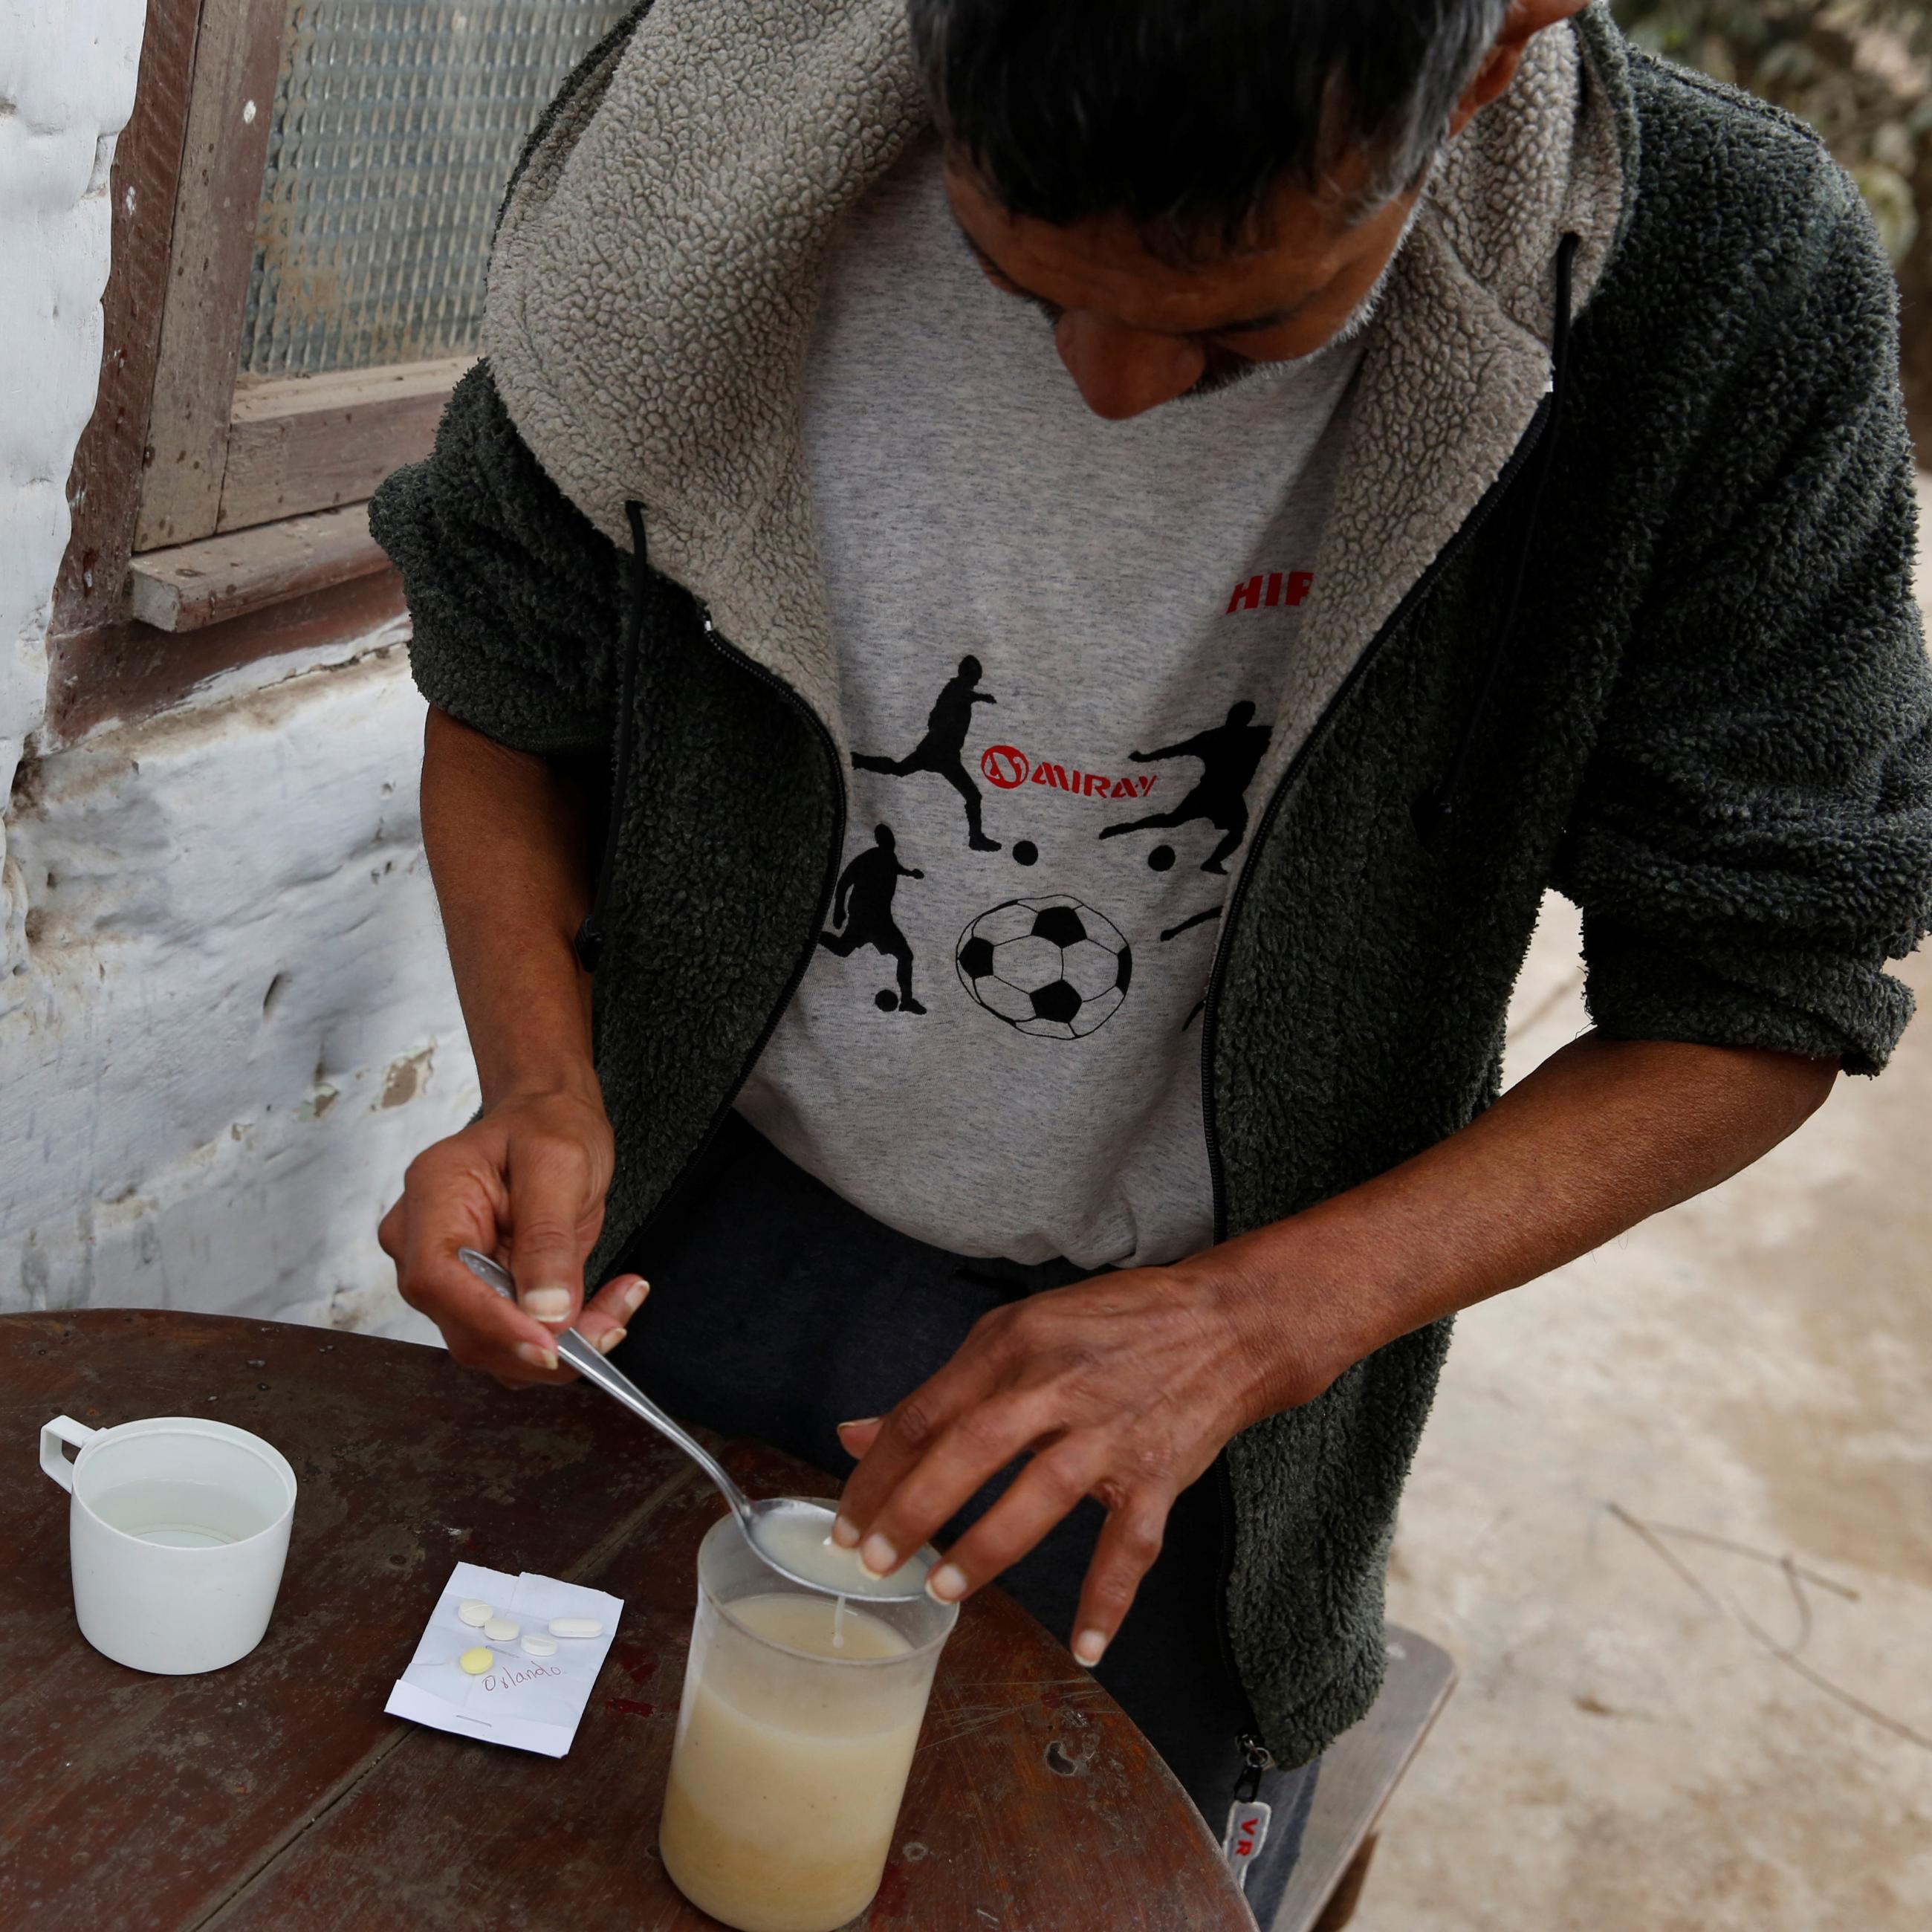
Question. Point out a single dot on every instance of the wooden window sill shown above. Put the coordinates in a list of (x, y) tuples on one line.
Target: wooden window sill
[(298, 443), (193, 585)]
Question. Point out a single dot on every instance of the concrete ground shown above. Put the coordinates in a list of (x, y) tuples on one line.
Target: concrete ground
[(1673, 1516)]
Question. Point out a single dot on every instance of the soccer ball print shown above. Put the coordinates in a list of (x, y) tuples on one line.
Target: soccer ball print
[(1049, 967)]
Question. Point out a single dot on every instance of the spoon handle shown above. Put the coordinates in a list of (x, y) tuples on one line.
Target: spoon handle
[(573, 1348)]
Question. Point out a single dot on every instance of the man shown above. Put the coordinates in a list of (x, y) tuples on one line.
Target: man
[(942, 750), (1559, 386), (862, 908), (1230, 754)]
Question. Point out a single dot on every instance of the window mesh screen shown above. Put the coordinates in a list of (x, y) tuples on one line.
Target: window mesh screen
[(397, 123)]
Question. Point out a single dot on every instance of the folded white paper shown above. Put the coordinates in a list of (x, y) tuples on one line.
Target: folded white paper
[(532, 1702)]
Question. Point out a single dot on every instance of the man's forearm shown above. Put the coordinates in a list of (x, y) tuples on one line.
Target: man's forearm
[(1603, 1134), (1126, 1386), (506, 834)]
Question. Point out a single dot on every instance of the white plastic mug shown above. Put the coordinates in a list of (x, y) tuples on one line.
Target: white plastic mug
[(177, 1532)]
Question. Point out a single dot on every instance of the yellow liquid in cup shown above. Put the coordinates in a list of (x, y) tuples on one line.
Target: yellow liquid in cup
[(785, 1787)]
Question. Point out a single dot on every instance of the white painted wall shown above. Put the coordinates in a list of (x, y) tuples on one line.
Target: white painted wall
[(67, 87), (238, 1023), (225, 1019)]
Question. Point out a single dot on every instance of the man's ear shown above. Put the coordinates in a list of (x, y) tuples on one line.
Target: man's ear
[(1525, 20)]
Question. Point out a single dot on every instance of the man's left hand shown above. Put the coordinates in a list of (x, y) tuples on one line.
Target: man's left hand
[(1123, 1388)]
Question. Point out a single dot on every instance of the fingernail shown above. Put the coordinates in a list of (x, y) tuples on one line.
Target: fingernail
[(877, 1557), (537, 1358), (947, 1583), (547, 1304), (844, 1532), (864, 1422), (609, 1340), (632, 1299), (1088, 1648)]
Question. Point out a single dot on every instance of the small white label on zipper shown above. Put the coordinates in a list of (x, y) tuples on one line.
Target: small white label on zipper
[(1247, 1832)]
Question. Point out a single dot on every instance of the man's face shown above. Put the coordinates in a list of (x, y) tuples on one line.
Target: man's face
[(1135, 331)]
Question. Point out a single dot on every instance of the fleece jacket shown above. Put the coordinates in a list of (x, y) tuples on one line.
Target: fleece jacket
[(1615, 599)]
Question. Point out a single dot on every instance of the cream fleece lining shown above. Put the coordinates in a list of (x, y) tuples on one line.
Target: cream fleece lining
[(656, 274)]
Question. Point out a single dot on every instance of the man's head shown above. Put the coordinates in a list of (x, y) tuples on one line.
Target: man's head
[(969, 669), (1189, 189)]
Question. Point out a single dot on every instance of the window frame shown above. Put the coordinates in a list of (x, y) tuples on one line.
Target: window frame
[(234, 451), (214, 514)]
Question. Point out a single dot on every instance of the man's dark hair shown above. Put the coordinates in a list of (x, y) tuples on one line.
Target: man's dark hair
[(1186, 116)]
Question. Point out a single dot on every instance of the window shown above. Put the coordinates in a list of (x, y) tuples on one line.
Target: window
[(303, 205)]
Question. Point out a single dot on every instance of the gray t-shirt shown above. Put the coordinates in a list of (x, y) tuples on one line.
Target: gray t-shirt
[(1061, 644)]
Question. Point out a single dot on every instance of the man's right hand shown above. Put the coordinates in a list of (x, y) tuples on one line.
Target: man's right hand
[(526, 1184)]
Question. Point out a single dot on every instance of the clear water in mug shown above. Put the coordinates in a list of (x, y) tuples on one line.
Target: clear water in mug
[(185, 1516)]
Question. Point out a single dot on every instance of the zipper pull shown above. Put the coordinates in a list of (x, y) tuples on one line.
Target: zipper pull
[(1257, 1758), (1248, 1818)]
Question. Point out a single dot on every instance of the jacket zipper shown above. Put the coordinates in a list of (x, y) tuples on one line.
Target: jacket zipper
[(734, 656), (1248, 1744), (1471, 527)]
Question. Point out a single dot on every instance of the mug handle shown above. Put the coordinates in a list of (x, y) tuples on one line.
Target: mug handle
[(63, 1429)]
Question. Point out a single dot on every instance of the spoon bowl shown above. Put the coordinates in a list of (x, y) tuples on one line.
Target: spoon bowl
[(791, 1534)]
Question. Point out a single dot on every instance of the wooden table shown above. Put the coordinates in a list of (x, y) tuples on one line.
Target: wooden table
[(275, 1796)]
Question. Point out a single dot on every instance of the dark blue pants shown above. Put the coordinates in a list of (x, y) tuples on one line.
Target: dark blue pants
[(777, 1310)]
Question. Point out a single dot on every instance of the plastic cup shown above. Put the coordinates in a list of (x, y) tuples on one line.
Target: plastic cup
[(795, 1734), (177, 1534)]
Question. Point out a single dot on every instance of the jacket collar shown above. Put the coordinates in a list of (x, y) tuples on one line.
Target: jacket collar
[(656, 271), (1458, 359)]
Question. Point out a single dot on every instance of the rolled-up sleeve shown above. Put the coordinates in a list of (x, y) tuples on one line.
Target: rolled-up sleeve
[(513, 596), (1753, 840)]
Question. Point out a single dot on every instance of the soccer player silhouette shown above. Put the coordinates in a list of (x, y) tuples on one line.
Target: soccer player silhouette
[(863, 905), (942, 749), (1230, 754)]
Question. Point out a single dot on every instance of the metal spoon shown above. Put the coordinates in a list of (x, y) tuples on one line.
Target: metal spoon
[(807, 1522)]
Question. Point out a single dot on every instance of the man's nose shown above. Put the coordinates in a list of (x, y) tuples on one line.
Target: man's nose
[(1122, 372)]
